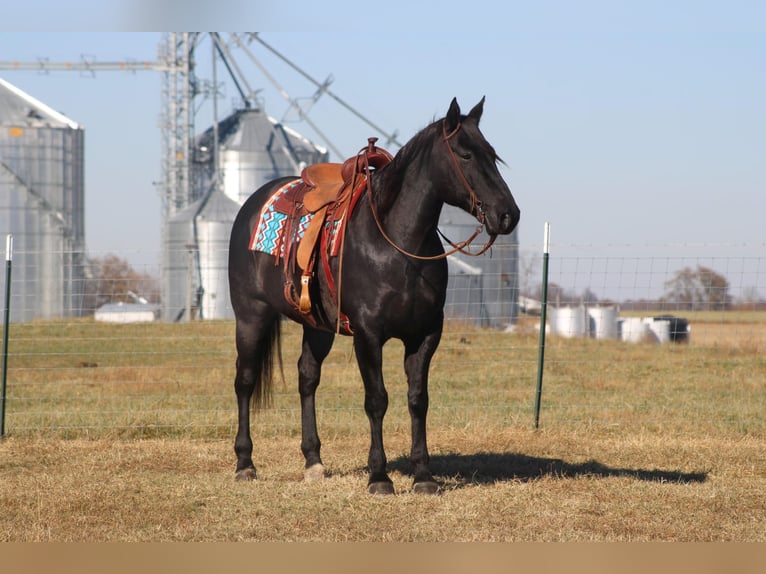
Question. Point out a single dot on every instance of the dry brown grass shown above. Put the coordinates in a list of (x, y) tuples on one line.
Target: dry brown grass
[(638, 442), (527, 486), (744, 336)]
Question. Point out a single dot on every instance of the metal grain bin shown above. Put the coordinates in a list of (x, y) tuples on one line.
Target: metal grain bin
[(41, 204), (464, 301), (196, 256), (254, 149), (213, 230), (498, 283)]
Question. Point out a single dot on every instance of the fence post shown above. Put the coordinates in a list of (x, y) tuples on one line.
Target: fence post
[(7, 315), (543, 318)]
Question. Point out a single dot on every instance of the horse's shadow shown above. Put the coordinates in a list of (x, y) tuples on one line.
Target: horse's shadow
[(491, 467)]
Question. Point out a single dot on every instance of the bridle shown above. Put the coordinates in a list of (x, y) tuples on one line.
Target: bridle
[(476, 209)]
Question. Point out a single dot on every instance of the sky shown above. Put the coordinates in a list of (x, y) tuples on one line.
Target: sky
[(620, 123)]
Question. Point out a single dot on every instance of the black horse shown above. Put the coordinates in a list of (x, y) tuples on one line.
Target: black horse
[(394, 280)]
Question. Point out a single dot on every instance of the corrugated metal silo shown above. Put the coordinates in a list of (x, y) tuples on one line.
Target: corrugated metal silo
[(490, 296), (41, 204), (180, 278), (213, 230), (254, 149), (197, 247)]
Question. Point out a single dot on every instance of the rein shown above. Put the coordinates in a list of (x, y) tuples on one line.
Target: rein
[(476, 209)]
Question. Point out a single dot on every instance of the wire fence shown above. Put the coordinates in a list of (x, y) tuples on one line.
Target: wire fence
[(639, 337)]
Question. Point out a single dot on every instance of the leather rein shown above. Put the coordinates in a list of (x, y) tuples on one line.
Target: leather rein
[(476, 210)]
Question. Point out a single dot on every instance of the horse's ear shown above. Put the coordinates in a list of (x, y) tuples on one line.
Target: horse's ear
[(453, 116), (477, 110)]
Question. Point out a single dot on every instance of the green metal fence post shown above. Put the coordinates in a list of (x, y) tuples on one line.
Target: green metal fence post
[(7, 315), (543, 318)]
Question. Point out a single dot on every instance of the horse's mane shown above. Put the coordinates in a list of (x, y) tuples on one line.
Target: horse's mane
[(424, 140), (421, 141), (393, 173), (417, 148)]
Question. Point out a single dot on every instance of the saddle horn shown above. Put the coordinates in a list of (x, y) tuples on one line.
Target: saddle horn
[(371, 155)]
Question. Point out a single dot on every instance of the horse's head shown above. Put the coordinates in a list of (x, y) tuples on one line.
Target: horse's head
[(473, 181)]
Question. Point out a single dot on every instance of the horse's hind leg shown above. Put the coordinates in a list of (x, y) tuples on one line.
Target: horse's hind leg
[(316, 346), (256, 339)]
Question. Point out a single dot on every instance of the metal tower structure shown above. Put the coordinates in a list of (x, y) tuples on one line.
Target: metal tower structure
[(181, 88), (177, 120)]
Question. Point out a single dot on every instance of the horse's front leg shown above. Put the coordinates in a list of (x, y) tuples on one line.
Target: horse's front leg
[(369, 356), (316, 346), (417, 360)]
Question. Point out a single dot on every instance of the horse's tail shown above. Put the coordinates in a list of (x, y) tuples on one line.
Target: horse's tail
[(270, 350)]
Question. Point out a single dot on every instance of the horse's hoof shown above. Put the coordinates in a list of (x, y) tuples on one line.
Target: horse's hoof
[(426, 487), (314, 473), (380, 488), (245, 474)]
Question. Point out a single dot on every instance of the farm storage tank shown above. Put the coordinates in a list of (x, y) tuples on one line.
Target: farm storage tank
[(635, 330), (660, 328), (670, 328), (213, 229), (197, 250), (464, 301), (499, 277), (254, 149), (603, 322), (569, 321), (41, 204)]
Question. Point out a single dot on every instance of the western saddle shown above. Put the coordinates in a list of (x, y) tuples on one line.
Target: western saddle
[(330, 192)]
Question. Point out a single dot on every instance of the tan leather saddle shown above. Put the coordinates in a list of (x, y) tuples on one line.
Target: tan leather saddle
[(330, 193)]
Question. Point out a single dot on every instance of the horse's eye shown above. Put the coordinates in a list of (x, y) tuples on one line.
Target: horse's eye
[(465, 155)]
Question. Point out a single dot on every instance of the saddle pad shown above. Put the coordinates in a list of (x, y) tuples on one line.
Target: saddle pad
[(272, 234), (270, 229)]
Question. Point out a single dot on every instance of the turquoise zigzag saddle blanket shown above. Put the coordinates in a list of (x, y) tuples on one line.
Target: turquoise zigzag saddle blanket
[(283, 221), (277, 228)]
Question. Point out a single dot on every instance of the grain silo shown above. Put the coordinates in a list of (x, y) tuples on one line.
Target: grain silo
[(197, 249), (253, 149), (482, 290), (41, 204)]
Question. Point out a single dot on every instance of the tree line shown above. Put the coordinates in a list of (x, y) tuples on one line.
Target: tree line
[(689, 289), (110, 279)]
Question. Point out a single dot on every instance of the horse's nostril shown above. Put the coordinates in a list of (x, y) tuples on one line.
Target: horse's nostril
[(505, 222)]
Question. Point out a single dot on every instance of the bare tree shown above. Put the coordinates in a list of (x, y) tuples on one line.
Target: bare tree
[(700, 289), (113, 280)]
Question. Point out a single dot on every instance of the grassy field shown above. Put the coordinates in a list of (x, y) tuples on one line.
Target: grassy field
[(124, 433)]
